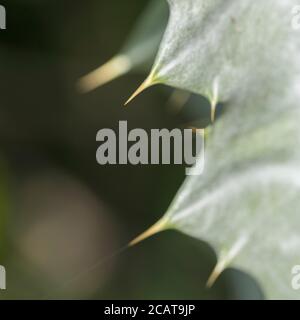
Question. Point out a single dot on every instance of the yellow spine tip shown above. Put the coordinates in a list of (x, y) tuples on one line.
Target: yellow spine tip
[(226, 258), (219, 268), (214, 99), (146, 84), (156, 228)]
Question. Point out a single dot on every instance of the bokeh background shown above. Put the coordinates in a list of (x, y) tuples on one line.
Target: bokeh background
[(61, 213)]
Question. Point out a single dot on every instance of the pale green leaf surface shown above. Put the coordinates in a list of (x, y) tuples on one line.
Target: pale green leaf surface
[(142, 44), (246, 204)]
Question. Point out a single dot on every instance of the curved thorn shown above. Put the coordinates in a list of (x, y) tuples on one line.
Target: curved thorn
[(114, 68), (226, 259), (156, 228), (219, 268), (146, 84)]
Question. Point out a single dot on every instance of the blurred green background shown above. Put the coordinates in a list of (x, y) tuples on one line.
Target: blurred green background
[(60, 212)]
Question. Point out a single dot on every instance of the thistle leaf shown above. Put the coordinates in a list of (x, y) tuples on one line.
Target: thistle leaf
[(246, 204)]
